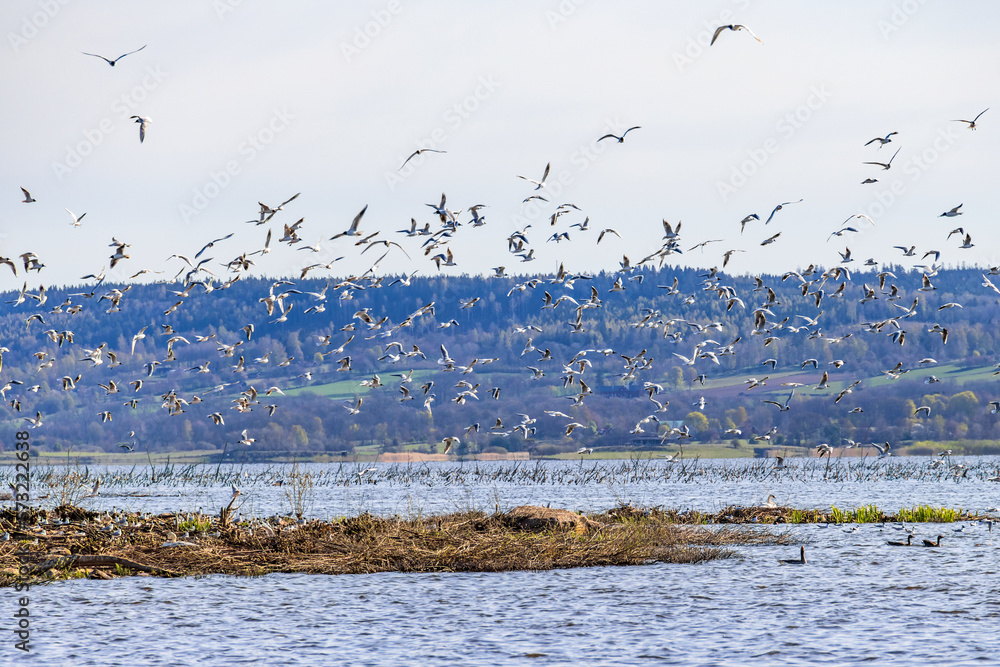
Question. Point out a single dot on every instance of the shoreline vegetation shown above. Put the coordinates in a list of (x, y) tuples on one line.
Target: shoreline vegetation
[(69, 542)]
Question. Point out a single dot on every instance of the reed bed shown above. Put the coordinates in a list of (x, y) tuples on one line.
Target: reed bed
[(67, 483), (71, 542)]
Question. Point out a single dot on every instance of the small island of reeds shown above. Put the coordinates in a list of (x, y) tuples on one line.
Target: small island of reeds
[(69, 542)]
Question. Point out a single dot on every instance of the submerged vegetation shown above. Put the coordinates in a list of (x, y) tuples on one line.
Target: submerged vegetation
[(74, 484)]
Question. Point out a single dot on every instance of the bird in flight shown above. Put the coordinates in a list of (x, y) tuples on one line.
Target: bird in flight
[(112, 62), (952, 213), (266, 212), (972, 123), (734, 28), (540, 184), (885, 165), (76, 220), (607, 231), (620, 139), (882, 140), (143, 122), (417, 152), (778, 208), (353, 230), (28, 199), (783, 407)]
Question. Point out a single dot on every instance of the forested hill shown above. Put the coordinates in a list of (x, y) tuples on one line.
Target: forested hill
[(634, 339)]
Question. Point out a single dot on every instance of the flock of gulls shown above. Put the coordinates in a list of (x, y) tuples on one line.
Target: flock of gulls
[(200, 274)]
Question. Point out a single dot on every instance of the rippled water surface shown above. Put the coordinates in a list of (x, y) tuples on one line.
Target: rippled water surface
[(856, 601)]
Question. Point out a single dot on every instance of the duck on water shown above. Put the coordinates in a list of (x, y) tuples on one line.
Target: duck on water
[(801, 560)]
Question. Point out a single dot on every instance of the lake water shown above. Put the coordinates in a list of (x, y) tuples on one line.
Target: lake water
[(857, 600)]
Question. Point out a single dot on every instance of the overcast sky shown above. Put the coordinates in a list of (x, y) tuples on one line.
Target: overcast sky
[(255, 101)]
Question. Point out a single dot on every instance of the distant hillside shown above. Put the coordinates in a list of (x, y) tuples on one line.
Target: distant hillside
[(614, 332)]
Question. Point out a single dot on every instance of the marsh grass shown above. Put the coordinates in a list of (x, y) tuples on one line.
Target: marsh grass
[(863, 514), (74, 487), (804, 516), (298, 488), (928, 514), (789, 515), (195, 524), (533, 473)]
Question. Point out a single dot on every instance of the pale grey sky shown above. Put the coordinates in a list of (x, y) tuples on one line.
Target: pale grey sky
[(254, 101)]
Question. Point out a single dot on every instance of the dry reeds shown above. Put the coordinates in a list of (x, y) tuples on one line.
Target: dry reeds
[(62, 483), (463, 542)]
